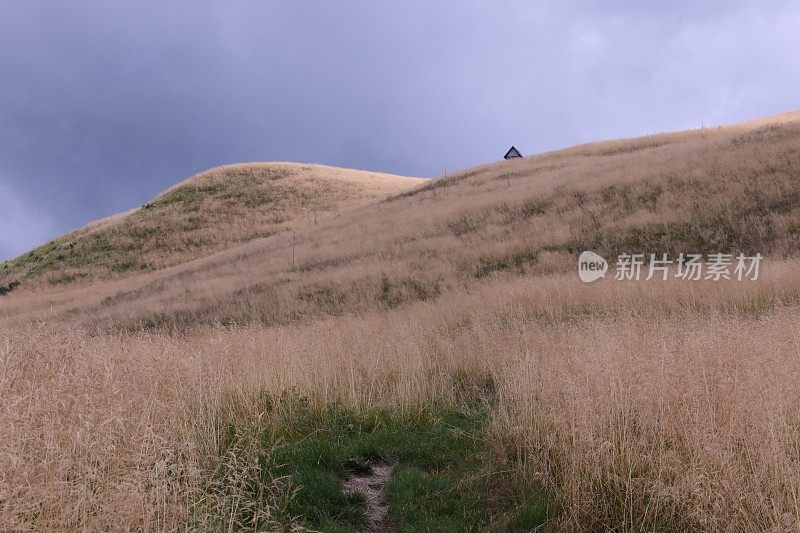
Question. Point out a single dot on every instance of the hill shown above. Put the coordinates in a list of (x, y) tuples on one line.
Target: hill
[(208, 212), (713, 190), (430, 361)]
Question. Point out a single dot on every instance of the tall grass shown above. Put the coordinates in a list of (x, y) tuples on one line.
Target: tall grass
[(631, 419), (138, 403), (721, 192)]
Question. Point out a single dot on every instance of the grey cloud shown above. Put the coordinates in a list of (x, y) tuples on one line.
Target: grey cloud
[(104, 104), (22, 224)]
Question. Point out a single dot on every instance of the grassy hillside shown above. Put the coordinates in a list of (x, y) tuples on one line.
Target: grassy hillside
[(208, 212), (439, 344), (727, 190)]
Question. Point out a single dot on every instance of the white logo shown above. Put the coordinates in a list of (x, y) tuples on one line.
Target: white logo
[(591, 266), (687, 267)]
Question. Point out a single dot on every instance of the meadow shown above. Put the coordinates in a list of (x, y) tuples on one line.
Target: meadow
[(442, 331)]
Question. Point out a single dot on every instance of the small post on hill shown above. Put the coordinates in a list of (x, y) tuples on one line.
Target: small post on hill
[(294, 233)]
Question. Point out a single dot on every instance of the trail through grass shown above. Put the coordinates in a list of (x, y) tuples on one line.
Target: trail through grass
[(442, 478)]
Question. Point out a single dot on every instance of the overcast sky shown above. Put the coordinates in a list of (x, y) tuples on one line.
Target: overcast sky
[(103, 104)]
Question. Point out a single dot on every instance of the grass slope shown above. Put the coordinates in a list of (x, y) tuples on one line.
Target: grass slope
[(728, 190), (442, 330), (208, 212)]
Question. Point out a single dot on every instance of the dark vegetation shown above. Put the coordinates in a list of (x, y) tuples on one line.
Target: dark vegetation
[(5, 289)]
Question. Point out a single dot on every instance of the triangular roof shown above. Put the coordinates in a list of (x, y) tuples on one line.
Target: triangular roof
[(512, 153)]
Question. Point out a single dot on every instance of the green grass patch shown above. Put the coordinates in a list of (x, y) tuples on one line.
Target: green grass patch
[(188, 196), (443, 477)]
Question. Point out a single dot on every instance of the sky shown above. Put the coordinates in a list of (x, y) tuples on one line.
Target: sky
[(105, 104)]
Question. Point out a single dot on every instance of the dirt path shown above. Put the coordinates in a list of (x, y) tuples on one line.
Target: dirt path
[(372, 486)]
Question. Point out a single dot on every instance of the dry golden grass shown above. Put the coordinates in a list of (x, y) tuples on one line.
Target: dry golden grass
[(637, 406), (636, 416), (729, 190)]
